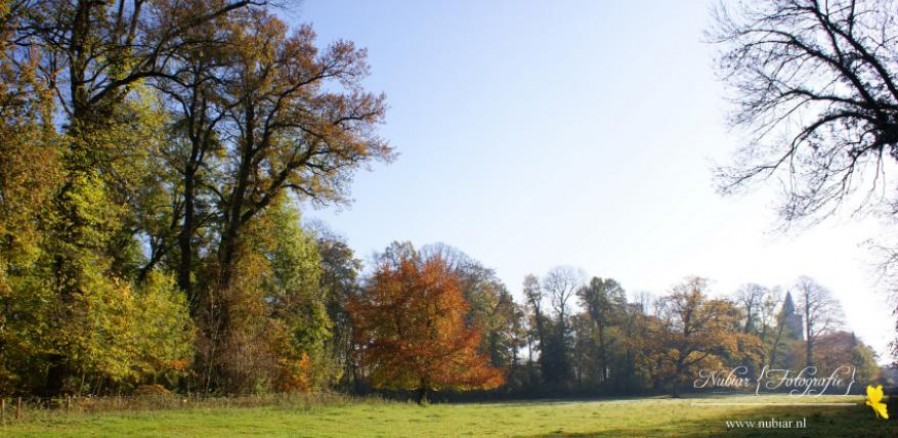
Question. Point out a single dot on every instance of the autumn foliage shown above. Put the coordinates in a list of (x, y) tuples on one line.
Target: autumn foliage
[(411, 332)]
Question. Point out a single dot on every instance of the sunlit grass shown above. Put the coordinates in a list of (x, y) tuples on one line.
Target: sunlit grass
[(624, 417)]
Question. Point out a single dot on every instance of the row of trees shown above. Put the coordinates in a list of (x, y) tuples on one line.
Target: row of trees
[(434, 319), (662, 343)]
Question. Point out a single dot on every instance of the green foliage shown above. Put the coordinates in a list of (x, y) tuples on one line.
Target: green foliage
[(111, 332), (864, 359), (279, 327), (30, 172), (339, 282), (116, 333), (165, 333), (297, 299), (605, 303)]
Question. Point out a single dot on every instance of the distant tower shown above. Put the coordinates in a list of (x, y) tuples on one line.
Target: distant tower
[(793, 320)]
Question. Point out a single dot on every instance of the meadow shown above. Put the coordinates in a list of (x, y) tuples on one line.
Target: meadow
[(687, 417)]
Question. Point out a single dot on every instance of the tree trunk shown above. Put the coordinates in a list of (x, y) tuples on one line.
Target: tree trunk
[(185, 267), (421, 397), (776, 341), (809, 343), (678, 373), (809, 351), (57, 374), (602, 354)]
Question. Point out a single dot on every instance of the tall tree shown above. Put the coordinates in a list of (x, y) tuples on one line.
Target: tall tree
[(492, 308), (277, 116), (304, 124), (636, 329), (196, 96), (773, 328), (533, 300), (826, 68), (821, 311), (340, 281), (695, 331), (533, 294), (411, 331), (604, 300), (560, 285), (750, 298)]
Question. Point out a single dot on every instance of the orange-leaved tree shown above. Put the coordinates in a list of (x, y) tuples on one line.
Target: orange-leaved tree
[(411, 333)]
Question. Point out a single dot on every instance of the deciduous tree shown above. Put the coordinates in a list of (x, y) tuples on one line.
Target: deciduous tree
[(560, 285), (821, 311), (839, 349), (696, 332), (340, 271), (492, 309), (816, 85), (816, 89), (411, 331), (604, 301)]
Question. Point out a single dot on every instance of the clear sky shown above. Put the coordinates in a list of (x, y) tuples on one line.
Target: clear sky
[(534, 134)]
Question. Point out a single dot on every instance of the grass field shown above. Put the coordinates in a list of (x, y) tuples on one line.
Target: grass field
[(691, 417)]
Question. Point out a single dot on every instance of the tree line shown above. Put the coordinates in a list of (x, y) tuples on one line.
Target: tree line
[(620, 345), (434, 318)]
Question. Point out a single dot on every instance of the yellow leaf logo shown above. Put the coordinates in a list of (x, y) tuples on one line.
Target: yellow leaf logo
[(874, 400)]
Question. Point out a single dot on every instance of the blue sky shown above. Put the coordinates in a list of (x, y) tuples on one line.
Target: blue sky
[(583, 133)]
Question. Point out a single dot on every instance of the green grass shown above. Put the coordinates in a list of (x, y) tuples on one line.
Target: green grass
[(626, 417)]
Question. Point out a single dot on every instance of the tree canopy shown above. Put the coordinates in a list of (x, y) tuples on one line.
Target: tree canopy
[(410, 326)]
